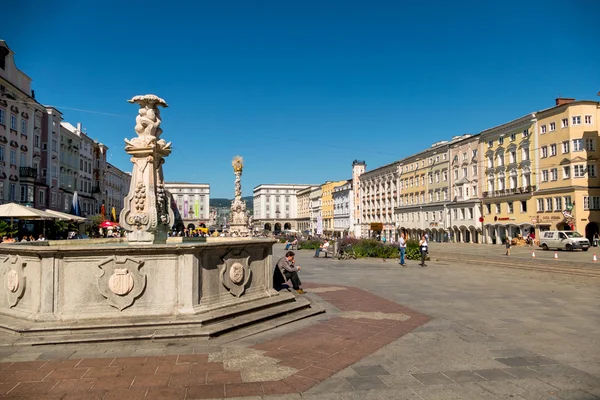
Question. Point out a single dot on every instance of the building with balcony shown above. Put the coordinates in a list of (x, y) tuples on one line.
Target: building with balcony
[(343, 210), (507, 181), (68, 156), (568, 182), (316, 212), (304, 208), (117, 183), (27, 129), (379, 194), (327, 205), (464, 209), (190, 204), (358, 168)]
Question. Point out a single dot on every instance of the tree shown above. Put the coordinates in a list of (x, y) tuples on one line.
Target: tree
[(7, 229)]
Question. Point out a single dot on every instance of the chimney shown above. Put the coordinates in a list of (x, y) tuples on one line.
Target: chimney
[(563, 100), (79, 126)]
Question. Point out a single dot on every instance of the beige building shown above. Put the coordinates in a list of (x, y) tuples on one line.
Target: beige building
[(464, 209), (327, 205), (568, 195), (507, 181), (358, 168), (117, 183), (304, 207), (379, 196)]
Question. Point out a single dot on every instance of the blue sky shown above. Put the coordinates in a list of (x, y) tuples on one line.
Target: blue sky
[(301, 88)]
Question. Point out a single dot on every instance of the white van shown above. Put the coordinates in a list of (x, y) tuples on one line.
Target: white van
[(567, 240)]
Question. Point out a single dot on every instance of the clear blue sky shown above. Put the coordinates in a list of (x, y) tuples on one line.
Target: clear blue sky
[(302, 88)]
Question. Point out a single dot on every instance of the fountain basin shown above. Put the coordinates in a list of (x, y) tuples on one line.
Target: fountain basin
[(90, 290)]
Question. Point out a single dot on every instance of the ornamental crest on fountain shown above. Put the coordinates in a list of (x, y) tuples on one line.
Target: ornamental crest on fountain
[(14, 279), (235, 272), (121, 281)]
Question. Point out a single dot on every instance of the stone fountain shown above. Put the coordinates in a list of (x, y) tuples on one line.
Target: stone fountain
[(143, 287)]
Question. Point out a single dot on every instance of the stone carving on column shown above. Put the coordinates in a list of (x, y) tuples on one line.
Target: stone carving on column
[(121, 281), (238, 216), (14, 279), (235, 272), (146, 213)]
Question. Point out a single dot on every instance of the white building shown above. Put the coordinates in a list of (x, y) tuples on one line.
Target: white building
[(379, 196), (343, 201), (316, 211), (358, 168), (276, 206), (190, 203)]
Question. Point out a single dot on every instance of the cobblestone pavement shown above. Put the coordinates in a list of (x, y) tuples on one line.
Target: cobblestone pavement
[(447, 331)]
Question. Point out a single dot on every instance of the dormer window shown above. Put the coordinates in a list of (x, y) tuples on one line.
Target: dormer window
[(3, 54)]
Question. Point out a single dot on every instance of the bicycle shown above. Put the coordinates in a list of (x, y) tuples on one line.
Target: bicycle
[(346, 253)]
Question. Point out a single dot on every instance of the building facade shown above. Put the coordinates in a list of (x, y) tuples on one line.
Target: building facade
[(379, 193), (70, 143), (327, 205), (276, 206), (117, 187), (464, 211), (343, 209), (316, 212), (507, 179), (568, 193), (190, 204), (304, 208), (358, 168)]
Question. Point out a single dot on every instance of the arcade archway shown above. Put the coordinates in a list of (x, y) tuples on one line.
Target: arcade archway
[(287, 226), (267, 226)]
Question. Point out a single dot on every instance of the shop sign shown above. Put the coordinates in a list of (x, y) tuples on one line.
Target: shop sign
[(551, 217)]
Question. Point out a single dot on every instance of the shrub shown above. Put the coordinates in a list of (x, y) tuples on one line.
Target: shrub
[(309, 244)]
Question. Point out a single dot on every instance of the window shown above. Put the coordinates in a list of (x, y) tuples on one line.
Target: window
[(545, 175), (498, 208), (22, 160), (576, 120), (500, 160), (591, 170), (525, 154), (1, 190), (568, 201), (2, 116), (430, 178), (488, 208), (590, 144), (23, 193), (490, 161), (53, 145), (464, 172), (24, 126), (540, 205), (577, 144), (500, 140), (474, 170), (501, 184), (510, 207), (437, 177), (13, 122), (544, 151), (474, 152), (558, 203), (12, 195), (513, 137), (13, 157), (513, 156), (455, 174), (554, 174), (578, 171), (564, 123), (36, 141), (2, 153), (525, 132), (591, 203), (543, 129), (549, 204), (464, 156), (552, 150), (523, 206), (566, 172), (565, 147), (587, 119), (490, 143)]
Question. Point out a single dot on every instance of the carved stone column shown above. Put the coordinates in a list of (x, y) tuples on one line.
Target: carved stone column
[(146, 214), (238, 216)]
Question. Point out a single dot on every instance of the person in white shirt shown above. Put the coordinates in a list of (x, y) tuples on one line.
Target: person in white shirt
[(423, 248), (402, 246), (324, 247)]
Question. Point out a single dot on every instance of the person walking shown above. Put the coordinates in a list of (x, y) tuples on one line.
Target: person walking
[(507, 243), (423, 248), (402, 247)]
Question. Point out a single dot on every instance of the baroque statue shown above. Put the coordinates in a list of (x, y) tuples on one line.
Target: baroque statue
[(238, 216), (147, 215)]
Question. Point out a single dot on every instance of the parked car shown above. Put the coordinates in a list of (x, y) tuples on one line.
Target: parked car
[(563, 240)]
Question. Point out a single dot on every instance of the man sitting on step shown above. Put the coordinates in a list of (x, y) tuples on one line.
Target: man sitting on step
[(290, 271)]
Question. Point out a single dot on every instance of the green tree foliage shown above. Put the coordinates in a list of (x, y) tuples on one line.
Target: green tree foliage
[(369, 248), (6, 229)]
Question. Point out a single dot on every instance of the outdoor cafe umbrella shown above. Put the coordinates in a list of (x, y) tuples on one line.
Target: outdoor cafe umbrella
[(14, 210)]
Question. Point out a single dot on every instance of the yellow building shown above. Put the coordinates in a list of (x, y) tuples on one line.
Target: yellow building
[(568, 196), (507, 182), (327, 205)]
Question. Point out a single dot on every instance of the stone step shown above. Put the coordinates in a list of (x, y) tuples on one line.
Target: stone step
[(258, 320)]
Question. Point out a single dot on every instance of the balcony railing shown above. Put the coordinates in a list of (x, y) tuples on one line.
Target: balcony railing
[(27, 172), (510, 192)]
